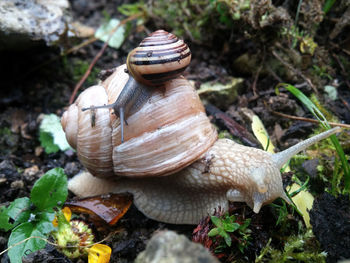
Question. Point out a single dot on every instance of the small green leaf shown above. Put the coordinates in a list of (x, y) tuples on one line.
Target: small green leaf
[(19, 234), (50, 189), (45, 225), (46, 141), (216, 221), (231, 227), (105, 30), (52, 136), (4, 219), (132, 9), (241, 247), (19, 210), (213, 232), (227, 239)]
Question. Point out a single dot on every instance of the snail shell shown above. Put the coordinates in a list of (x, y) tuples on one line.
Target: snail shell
[(168, 133), (159, 58)]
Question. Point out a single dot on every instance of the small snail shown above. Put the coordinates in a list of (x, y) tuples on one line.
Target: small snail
[(171, 160), (159, 58)]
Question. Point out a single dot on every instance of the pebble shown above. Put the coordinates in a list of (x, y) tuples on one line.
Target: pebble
[(18, 184), (3, 180), (71, 168), (170, 247), (31, 171)]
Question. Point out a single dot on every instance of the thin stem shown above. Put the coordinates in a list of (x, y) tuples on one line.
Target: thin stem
[(334, 124), (97, 57)]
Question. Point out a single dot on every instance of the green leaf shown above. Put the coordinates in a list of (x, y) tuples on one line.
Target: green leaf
[(105, 30), (45, 225), (18, 210), (46, 141), (328, 5), (231, 227), (19, 234), (4, 219), (227, 238), (241, 247), (132, 9), (213, 232), (50, 190), (216, 221), (52, 136)]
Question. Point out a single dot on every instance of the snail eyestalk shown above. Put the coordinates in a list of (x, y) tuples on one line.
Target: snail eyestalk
[(131, 98)]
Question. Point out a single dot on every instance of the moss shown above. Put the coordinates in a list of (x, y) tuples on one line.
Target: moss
[(77, 68), (225, 135), (329, 116), (8, 140), (299, 248)]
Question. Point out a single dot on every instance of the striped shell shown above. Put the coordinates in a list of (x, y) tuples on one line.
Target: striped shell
[(159, 57), (169, 132)]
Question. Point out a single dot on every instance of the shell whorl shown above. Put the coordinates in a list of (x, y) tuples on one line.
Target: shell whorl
[(160, 57), (158, 141)]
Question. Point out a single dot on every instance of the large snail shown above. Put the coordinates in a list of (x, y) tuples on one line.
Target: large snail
[(171, 160)]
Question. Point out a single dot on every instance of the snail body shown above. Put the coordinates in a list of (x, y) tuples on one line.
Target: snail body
[(171, 160), (159, 58)]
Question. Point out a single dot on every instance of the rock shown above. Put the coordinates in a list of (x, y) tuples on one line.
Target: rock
[(31, 171), (71, 168), (7, 169), (310, 166), (219, 94), (18, 184), (25, 22), (169, 247)]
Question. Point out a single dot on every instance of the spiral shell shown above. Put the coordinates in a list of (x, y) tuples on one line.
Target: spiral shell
[(170, 131), (159, 57)]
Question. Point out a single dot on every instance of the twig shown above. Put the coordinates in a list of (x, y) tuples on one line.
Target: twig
[(309, 120), (234, 128), (342, 69), (98, 55), (255, 93)]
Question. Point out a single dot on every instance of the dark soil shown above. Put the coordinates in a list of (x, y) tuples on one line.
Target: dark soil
[(330, 219), (39, 81)]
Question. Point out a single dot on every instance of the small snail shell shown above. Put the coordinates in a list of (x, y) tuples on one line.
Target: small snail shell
[(159, 58)]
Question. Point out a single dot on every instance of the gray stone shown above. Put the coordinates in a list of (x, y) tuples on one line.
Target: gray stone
[(25, 22), (169, 247)]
